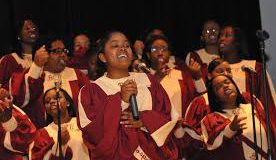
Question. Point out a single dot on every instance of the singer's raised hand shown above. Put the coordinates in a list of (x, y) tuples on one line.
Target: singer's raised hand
[(41, 56), (128, 88), (238, 123), (128, 121), (195, 69)]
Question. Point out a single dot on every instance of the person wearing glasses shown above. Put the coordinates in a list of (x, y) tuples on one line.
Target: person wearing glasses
[(178, 84), (198, 61), (209, 36), (47, 71), (21, 56)]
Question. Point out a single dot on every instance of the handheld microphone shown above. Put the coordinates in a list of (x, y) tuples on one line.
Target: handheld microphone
[(62, 62), (143, 67), (57, 87), (134, 107), (248, 69)]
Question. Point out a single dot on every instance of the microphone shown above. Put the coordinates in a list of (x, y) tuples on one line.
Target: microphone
[(62, 62), (248, 69), (143, 67), (262, 35), (134, 107)]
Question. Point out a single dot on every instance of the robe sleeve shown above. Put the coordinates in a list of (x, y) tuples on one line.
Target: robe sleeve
[(215, 129), (196, 111), (44, 147), (193, 55), (99, 120), (18, 132), (158, 120), (27, 86), (7, 67)]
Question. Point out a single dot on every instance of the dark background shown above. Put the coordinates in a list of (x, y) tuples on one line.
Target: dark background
[(180, 19)]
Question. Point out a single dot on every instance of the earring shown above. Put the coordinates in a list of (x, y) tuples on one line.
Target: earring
[(18, 38)]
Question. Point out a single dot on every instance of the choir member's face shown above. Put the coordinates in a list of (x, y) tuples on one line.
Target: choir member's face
[(117, 52), (93, 63), (58, 56), (210, 32), (222, 69), (50, 102), (227, 40), (224, 89), (29, 32), (81, 42), (160, 53), (156, 32)]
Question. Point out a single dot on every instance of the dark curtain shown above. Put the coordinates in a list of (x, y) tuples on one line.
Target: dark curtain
[(180, 19)]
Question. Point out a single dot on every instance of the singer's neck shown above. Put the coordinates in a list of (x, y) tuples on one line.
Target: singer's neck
[(212, 49), (56, 69), (64, 118), (232, 58), (117, 73), (27, 48)]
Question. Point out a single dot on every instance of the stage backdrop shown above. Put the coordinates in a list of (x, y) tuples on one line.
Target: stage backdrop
[(180, 19), (268, 12)]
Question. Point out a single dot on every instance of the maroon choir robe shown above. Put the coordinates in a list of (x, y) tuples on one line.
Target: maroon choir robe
[(27, 89), (16, 135), (99, 115), (199, 108), (12, 63), (242, 79), (201, 56), (180, 89), (45, 143), (80, 63), (223, 143)]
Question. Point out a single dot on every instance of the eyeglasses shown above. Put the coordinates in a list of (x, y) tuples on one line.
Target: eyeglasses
[(158, 49), (59, 51), (213, 30)]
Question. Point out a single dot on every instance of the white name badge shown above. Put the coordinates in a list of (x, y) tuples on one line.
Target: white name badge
[(140, 154)]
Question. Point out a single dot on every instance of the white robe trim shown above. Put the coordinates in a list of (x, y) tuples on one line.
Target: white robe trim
[(204, 56), (140, 154), (172, 87), (112, 86), (25, 62), (161, 134), (245, 111), (84, 121), (67, 75), (79, 150), (239, 75), (205, 96)]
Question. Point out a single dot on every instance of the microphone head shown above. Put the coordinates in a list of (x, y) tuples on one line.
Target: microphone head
[(143, 67), (62, 62), (247, 69), (243, 67), (262, 35)]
